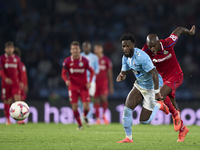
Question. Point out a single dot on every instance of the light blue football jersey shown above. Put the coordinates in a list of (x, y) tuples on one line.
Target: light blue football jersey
[(94, 63), (140, 63)]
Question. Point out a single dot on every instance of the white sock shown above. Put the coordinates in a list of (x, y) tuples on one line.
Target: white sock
[(158, 104), (129, 137)]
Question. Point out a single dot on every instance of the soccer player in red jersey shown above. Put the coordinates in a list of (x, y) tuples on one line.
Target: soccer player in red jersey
[(75, 77), (24, 82), (103, 77), (163, 56), (9, 70)]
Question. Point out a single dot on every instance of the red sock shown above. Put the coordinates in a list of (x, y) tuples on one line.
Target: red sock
[(172, 110), (105, 106), (96, 106), (182, 126), (85, 112), (6, 111), (77, 117)]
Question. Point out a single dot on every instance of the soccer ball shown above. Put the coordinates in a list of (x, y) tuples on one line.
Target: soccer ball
[(19, 110)]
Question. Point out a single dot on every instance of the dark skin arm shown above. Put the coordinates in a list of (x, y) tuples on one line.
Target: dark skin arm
[(110, 79), (178, 31), (122, 76), (154, 74)]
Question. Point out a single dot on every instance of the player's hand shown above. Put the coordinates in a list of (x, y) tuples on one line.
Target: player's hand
[(21, 85), (26, 89), (88, 85), (192, 30), (67, 83), (121, 77), (111, 90), (158, 96), (8, 81)]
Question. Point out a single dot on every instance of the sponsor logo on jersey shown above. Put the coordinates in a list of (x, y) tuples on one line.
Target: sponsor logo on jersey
[(81, 64), (76, 70), (7, 65), (102, 67), (163, 59), (165, 52)]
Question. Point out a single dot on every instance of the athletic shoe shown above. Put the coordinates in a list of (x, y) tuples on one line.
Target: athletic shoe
[(181, 136), (98, 121), (163, 107), (20, 122), (87, 122), (126, 140), (8, 122), (105, 120), (79, 128), (177, 121)]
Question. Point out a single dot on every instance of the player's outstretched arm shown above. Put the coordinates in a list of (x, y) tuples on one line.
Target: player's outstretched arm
[(121, 76), (154, 74), (178, 31)]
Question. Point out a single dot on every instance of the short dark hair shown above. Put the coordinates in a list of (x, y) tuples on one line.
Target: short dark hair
[(75, 43), (127, 36), (9, 43), (17, 51)]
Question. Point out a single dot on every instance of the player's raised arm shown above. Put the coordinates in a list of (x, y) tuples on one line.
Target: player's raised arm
[(178, 31), (154, 74)]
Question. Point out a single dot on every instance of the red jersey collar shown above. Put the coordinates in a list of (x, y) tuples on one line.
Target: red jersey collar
[(80, 58)]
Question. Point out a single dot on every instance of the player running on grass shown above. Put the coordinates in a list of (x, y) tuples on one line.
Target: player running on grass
[(147, 86), (74, 73), (163, 56), (104, 77), (10, 70)]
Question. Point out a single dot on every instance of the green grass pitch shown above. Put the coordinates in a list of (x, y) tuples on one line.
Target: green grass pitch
[(51, 136)]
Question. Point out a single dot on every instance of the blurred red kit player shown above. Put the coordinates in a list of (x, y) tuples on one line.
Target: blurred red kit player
[(103, 79), (164, 58), (74, 73), (24, 82), (10, 70)]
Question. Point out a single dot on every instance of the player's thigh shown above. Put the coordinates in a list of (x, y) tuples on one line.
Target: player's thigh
[(73, 96), (134, 98), (74, 106), (86, 105), (85, 97), (92, 89), (145, 114), (6, 93)]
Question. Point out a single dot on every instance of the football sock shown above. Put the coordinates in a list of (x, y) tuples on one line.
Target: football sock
[(105, 106), (169, 104), (85, 112), (153, 114), (127, 120), (182, 126), (96, 106), (129, 137), (77, 117), (6, 111)]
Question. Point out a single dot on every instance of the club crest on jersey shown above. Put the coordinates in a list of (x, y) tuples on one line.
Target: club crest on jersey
[(15, 60), (165, 52), (102, 61), (81, 64)]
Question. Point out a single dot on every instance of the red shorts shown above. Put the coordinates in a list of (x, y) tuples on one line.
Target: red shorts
[(174, 82), (74, 95), (8, 91), (101, 89)]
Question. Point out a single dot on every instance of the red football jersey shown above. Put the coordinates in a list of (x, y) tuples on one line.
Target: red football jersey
[(10, 67), (165, 60), (24, 74), (104, 64), (77, 72)]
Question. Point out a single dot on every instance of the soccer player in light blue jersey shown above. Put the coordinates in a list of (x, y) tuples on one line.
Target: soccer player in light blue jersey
[(94, 63), (147, 85)]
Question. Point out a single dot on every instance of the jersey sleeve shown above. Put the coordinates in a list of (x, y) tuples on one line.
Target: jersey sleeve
[(146, 62), (145, 48), (64, 71), (171, 40), (2, 74), (125, 66)]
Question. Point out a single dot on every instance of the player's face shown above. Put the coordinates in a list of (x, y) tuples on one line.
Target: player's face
[(127, 47), (75, 51), (98, 49), (86, 47), (154, 47), (9, 50)]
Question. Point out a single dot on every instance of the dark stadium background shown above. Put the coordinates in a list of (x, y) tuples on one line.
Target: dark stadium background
[(43, 30)]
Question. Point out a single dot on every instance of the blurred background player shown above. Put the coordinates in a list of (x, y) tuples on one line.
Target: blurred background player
[(10, 71), (24, 82), (164, 58), (104, 77), (75, 77), (94, 63)]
